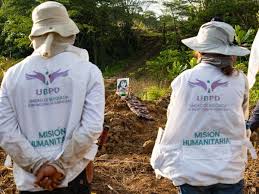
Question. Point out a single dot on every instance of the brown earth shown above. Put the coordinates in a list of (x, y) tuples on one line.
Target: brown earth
[(122, 166)]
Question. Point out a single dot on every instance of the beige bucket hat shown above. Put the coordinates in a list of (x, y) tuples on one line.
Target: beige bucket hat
[(216, 37), (52, 16)]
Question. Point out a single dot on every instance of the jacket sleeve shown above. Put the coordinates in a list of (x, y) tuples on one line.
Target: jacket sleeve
[(12, 140), (254, 120), (253, 66), (245, 104), (91, 124)]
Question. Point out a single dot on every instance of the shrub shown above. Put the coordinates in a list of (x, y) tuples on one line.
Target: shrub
[(5, 63), (110, 71), (169, 64), (244, 38), (254, 93), (154, 93)]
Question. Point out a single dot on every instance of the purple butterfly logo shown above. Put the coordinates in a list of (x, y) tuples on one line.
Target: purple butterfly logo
[(47, 78), (217, 84), (36, 75), (207, 86), (57, 74), (198, 83)]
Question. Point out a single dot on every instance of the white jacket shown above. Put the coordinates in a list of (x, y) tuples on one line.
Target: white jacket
[(204, 141), (253, 66), (51, 108)]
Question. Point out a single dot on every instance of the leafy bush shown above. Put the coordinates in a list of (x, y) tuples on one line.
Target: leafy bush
[(176, 69), (149, 90), (242, 67), (243, 37), (5, 63), (154, 93), (254, 93), (169, 64), (110, 71)]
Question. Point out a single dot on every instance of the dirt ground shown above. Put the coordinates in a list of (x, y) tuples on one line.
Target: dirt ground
[(122, 166)]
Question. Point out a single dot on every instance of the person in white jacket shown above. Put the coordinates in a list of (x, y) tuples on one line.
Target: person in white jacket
[(253, 66), (203, 147), (52, 108)]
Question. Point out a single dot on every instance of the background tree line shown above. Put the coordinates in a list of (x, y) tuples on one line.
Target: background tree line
[(114, 30), (105, 27)]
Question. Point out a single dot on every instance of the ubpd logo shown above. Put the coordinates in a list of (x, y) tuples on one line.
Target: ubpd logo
[(47, 91), (209, 87), (47, 79)]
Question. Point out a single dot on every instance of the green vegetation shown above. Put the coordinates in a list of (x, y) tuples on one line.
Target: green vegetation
[(113, 70), (149, 90), (5, 64), (106, 28), (169, 64), (117, 32), (153, 93)]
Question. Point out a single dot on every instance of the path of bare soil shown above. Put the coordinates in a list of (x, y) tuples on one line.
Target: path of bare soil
[(122, 166)]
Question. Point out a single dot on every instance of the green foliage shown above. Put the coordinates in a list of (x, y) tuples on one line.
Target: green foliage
[(184, 18), (176, 68), (148, 89), (5, 64), (106, 28), (105, 25), (242, 67), (168, 64), (16, 43), (254, 93), (153, 93), (110, 71), (243, 37), (15, 26), (193, 62), (254, 96)]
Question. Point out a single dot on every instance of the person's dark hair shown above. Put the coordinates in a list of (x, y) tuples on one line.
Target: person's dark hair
[(217, 19), (228, 71)]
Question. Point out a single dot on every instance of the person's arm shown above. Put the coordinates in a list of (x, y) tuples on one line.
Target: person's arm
[(245, 104), (91, 123), (253, 66), (12, 140), (254, 120)]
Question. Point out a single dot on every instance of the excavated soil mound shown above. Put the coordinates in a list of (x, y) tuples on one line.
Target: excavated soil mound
[(128, 132)]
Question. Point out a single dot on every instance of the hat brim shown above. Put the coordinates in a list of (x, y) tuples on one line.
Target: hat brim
[(194, 44), (66, 29)]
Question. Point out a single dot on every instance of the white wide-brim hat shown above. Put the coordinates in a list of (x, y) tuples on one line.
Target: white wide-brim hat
[(52, 16), (216, 37)]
